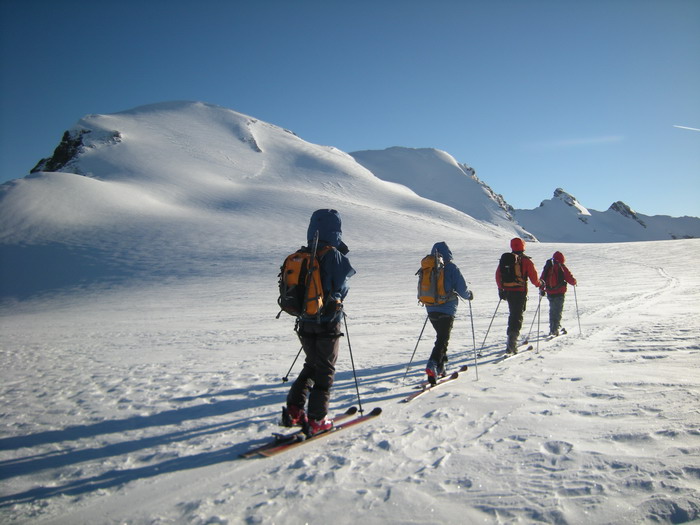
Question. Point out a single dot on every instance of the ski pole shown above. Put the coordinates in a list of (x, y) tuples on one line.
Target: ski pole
[(527, 339), (538, 325), (577, 314), (489, 328), (416, 348), (352, 361), (286, 378), (471, 316)]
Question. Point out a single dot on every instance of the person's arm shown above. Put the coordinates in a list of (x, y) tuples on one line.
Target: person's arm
[(531, 271), (568, 276)]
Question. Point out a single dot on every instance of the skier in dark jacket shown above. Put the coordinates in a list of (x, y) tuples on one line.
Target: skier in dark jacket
[(442, 316), (320, 338), (516, 293), (555, 276)]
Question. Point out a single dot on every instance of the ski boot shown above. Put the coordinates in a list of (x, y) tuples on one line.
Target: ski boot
[(293, 416), (316, 426), (512, 346), (431, 370)]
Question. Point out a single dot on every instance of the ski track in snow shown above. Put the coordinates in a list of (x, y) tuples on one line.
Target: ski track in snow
[(131, 406)]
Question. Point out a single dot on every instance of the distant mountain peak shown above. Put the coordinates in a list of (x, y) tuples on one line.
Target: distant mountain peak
[(564, 219), (73, 143), (624, 210), (570, 200)]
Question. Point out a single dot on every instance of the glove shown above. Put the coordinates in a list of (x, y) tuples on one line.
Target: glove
[(502, 294), (331, 307), (470, 295), (542, 292)]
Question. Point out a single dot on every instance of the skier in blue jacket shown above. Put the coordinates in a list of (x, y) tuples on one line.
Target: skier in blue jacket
[(442, 316), (320, 338)]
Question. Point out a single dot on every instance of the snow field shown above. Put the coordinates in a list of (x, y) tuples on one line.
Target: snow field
[(131, 405)]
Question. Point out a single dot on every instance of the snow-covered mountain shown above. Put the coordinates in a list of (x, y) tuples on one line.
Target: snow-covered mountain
[(171, 189), (563, 219), (437, 176)]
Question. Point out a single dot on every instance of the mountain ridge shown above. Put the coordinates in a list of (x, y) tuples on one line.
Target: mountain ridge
[(177, 189), (619, 223), (430, 173)]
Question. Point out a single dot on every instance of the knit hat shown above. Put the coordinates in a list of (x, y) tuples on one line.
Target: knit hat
[(558, 257), (517, 245)]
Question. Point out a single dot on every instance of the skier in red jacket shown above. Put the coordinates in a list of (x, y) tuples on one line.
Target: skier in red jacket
[(513, 271), (554, 279)]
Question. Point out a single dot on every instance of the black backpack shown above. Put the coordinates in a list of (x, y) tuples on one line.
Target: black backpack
[(511, 270)]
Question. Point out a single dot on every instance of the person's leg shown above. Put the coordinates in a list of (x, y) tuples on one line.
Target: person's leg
[(517, 302), (442, 323), (325, 356), (556, 307)]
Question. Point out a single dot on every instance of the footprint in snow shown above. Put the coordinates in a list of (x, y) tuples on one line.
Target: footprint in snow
[(558, 448)]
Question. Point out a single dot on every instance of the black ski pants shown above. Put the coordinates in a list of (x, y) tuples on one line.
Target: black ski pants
[(321, 344), (517, 301), (443, 328), (556, 307)]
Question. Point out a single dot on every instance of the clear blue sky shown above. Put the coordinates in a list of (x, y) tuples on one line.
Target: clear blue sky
[(534, 95)]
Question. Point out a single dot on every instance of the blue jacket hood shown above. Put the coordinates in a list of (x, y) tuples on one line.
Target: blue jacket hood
[(335, 266), (443, 250), (454, 281), (328, 225)]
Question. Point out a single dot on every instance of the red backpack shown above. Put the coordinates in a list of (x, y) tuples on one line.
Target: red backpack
[(553, 275)]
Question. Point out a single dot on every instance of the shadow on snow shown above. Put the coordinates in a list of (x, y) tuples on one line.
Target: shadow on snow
[(400, 378)]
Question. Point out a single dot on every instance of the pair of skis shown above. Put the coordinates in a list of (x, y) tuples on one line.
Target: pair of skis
[(562, 331), (526, 347), (283, 442), (426, 387)]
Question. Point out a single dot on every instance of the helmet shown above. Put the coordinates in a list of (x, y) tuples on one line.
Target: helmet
[(517, 245)]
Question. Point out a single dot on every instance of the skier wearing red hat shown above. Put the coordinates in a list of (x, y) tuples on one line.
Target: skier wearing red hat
[(514, 270), (554, 279)]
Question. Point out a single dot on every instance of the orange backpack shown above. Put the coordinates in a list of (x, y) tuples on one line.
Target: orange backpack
[(431, 280), (301, 292)]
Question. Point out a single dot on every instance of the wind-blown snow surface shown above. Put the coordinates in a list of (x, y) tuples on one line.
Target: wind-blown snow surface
[(140, 354), (132, 405)]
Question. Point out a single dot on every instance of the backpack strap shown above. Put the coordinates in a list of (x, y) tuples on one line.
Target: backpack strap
[(323, 251)]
